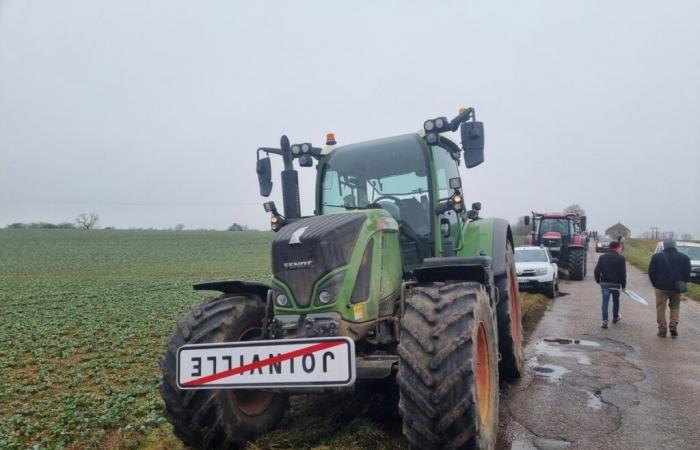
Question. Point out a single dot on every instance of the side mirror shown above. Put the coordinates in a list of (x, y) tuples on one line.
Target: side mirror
[(472, 143), (264, 171), (526, 220), (555, 260)]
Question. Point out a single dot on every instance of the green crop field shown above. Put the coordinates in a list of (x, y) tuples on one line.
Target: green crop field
[(83, 319)]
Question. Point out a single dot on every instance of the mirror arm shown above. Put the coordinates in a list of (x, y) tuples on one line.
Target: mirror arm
[(268, 150), (469, 113)]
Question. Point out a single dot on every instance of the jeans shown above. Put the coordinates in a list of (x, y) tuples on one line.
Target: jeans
[(606, 300)]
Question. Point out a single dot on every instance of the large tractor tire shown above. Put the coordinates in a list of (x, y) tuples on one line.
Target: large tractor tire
[(218, 418), (577, 263), (448, 367), (510, 321)]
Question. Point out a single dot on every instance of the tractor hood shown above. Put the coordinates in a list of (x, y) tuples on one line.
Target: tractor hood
[(552, 235), (306, 250)]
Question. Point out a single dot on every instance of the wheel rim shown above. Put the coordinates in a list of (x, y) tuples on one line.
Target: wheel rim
[(249, 401), (483, 376)]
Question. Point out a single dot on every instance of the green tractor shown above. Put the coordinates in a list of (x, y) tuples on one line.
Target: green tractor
[(390, 279)]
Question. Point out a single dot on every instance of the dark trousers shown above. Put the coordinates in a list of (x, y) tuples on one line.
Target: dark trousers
[(606, 301)]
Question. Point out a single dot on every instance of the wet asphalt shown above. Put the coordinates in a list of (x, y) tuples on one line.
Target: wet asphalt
[(620, 388)]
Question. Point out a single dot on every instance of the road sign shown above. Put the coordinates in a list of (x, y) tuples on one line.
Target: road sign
[(320, 362)]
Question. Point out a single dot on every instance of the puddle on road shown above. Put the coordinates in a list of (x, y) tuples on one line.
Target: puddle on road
[(565, 348), (549, 371), (594, 400), (559, 348)]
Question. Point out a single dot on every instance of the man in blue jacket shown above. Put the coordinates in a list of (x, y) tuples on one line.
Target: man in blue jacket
[(611, 274), (666, 269)]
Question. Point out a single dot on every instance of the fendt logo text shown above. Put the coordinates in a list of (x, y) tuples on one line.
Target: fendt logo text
[(298, 264)]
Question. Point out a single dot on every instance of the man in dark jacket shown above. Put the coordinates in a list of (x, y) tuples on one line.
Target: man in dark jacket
[(665, 270), (611, 274)]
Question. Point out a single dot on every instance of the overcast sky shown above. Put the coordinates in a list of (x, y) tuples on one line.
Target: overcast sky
[(149, 113)]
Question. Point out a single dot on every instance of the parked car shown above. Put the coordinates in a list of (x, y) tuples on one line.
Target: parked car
[(692, 249), (537, 270), (602, 245)]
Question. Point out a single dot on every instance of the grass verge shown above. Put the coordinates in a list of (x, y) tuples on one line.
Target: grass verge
[(533, 308)]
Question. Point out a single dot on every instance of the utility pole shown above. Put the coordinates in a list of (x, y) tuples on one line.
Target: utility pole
[(655, 233)]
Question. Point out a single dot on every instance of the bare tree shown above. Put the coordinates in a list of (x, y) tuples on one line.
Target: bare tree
[(575, 208), (687, 237), (87, 221), (179, 227)]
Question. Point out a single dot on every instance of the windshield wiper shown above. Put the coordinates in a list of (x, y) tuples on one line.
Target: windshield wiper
[(370, 206)]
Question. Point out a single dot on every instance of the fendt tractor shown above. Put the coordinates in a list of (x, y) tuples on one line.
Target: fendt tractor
[(391, 279), (564, 234)]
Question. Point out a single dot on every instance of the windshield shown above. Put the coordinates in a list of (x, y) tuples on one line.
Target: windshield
[(560, 226), (605, 240), (530, 255), (692, 251), (387, 173)]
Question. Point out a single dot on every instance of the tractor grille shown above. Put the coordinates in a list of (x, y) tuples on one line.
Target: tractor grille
[(325, 244)]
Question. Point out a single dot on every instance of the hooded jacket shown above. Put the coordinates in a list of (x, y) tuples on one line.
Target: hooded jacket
[(664, 277)]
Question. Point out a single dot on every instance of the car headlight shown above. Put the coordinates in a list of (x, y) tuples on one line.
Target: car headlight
[(541, 271)]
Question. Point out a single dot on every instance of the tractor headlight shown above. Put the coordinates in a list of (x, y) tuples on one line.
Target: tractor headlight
[(324, 297), (439, 123), (296, 149), (428, 125), (541, 271), (305, 148), (329, 291), (281, 300)]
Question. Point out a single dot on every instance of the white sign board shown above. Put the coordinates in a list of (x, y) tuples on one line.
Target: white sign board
[(280, 363)]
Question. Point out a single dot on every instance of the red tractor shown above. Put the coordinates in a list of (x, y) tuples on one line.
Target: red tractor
[(564, 234)]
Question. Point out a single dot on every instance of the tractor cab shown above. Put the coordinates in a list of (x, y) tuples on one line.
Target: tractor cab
[(404, 177)]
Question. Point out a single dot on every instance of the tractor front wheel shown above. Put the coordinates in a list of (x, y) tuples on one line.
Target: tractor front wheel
[(577, 263), (448, 367), (218, 418)]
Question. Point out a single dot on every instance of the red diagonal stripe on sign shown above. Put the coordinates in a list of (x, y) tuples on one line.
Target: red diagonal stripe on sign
[(264, 362)]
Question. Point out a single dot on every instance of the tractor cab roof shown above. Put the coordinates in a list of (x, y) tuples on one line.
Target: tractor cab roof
[(555, 215), (370, 157)]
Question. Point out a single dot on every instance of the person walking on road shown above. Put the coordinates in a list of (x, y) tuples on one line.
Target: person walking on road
[(669, 271), (611, 274)]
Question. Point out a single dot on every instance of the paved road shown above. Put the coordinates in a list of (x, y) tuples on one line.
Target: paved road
[(620, 388)]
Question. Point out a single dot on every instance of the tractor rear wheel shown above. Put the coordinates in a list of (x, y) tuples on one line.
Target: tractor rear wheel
[(218, 418), (448, 367), (577, 263), (510, 324)]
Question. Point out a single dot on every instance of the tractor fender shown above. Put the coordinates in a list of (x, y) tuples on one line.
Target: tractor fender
[(488, 237), (457, 268), (233, 287), (463, 268), (578, 240), (576, 246)]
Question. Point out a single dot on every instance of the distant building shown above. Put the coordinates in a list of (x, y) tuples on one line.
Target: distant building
[(618, 230)]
